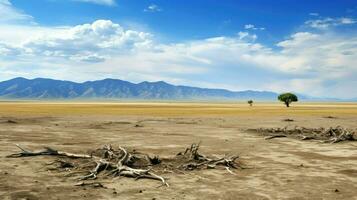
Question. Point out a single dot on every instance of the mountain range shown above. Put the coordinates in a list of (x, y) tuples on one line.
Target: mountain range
[(41, 88)]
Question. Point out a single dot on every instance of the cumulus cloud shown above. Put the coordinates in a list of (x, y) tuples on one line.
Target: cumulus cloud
[(7, 50), (153, 8), (320, 62), (89, 42), (325, 54), (330, 22), (100, 2), (312, 62)]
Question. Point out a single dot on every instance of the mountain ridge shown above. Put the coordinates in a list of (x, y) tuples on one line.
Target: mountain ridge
[(45, 88)]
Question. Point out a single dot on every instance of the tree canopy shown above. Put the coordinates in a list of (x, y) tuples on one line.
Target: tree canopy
[(287, 98)]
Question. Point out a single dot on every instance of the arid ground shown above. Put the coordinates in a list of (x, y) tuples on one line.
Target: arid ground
[(281, 168)]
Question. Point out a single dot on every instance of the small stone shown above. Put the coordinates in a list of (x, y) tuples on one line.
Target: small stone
[(140, 191), (115, 192), (336, 190)]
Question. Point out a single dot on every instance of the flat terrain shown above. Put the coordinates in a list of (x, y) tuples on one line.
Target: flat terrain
[(281, 168)]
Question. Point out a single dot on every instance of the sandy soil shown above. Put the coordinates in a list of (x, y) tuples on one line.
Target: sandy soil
[(282, 168)]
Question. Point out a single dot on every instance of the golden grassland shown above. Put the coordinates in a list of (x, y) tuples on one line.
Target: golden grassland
[(174, 109)]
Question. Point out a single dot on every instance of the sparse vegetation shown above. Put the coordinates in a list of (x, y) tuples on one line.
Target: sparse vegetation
[(288, 98), (250, 102)]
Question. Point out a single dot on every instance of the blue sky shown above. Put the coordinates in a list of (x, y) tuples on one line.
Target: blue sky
[(305, 46)]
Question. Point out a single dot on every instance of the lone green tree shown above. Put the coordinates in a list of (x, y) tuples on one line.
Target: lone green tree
[(250, 102), (288, 98)]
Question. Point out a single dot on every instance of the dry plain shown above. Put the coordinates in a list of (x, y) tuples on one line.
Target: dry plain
[(281, 168)]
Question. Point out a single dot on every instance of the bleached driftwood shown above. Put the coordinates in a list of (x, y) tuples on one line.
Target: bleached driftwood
[(110, 162)]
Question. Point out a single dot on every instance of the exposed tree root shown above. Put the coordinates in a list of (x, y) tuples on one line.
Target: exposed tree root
[(48, 151), (114, 162), (195, 160), (329, 135), (11, 121), (274, 136), (304, 137), (110, 162), (339, 134), (93, 184)]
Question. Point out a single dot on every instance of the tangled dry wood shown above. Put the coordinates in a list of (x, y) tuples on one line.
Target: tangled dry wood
[(195, 160), (332, 134), (110, 162)]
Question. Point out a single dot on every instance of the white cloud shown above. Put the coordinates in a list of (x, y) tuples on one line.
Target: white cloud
[(314, 14), (307, 62), (88, 42), (100, 2), (7, 50), (330, 22), (153, 8), (320, 63), (246, 35), (346, 20), (249, 26), (11, 14), (253, 27)]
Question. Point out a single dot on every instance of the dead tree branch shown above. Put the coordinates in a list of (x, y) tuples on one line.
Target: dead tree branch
[(114, 162), (327, 135)]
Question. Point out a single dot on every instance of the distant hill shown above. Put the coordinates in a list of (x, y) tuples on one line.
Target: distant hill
[(40, 88)]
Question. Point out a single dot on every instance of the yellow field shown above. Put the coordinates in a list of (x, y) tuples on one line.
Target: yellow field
[(281, 168), (175, 109)]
